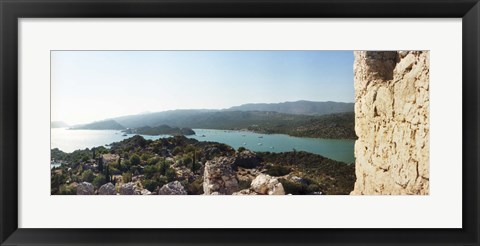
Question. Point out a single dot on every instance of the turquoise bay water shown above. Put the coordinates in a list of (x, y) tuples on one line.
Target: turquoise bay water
[(340, 150)]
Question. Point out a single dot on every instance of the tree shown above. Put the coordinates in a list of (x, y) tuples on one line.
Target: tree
[(135, 160), (194, 157), (100, 164), (107, 173), (93, 155)]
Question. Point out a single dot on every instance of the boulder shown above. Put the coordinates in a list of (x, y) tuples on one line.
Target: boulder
[(267, 185), (172, 188), (145, 192), (85, 188), (107, 189), (129, 189), (219, 176)]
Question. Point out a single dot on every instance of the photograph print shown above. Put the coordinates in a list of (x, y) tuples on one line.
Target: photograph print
[(249, 122)]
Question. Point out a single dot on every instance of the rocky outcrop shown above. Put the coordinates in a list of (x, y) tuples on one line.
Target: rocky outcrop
[(219, 176), (129, 189), (85, 188), (107, 189), (392, 122), (183, 172), (263, 185), (172, 188), (246, 159)]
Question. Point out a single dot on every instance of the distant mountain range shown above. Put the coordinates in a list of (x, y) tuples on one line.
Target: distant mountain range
[(301, 118), (197, 118), (298, 107)]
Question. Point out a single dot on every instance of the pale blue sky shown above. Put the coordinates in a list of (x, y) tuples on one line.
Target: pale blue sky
[(95, 85)]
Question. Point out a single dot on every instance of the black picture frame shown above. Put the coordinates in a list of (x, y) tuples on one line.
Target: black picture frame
[(11, 10)]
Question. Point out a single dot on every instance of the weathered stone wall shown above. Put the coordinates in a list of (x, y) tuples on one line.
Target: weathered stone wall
[(392, 122)]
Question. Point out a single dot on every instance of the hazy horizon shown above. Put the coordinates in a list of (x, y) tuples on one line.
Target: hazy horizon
[(151, 112), (89, 86)]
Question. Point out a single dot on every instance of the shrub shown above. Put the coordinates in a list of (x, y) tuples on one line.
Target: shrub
[(150, 184), (313, 188), (99, 181), (67, 190), (293, 187), (163, 167), (136, 170), (161, 180), (278, 170), (241, 149), (127, 177), (170, 174), (194, 188), (88, 176), (177, 150), (145, 157), (125, 166), (149, 171), (114, 171), (189, 148), (244, 184), (74, 178), (195, 166), (153, 161)]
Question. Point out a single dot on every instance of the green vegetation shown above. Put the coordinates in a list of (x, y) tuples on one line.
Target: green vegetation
[(88, 176), (151, 164), (99, 180), (331, 177)]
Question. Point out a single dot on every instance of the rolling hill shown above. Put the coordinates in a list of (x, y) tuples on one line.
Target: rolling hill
[(298, 107), (100, 125), (305, 119)]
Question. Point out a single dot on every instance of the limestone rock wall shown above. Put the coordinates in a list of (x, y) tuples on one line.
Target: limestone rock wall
[(392, 122)]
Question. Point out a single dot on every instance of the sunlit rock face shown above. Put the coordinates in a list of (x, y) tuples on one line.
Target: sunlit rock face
[(392, 122)]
